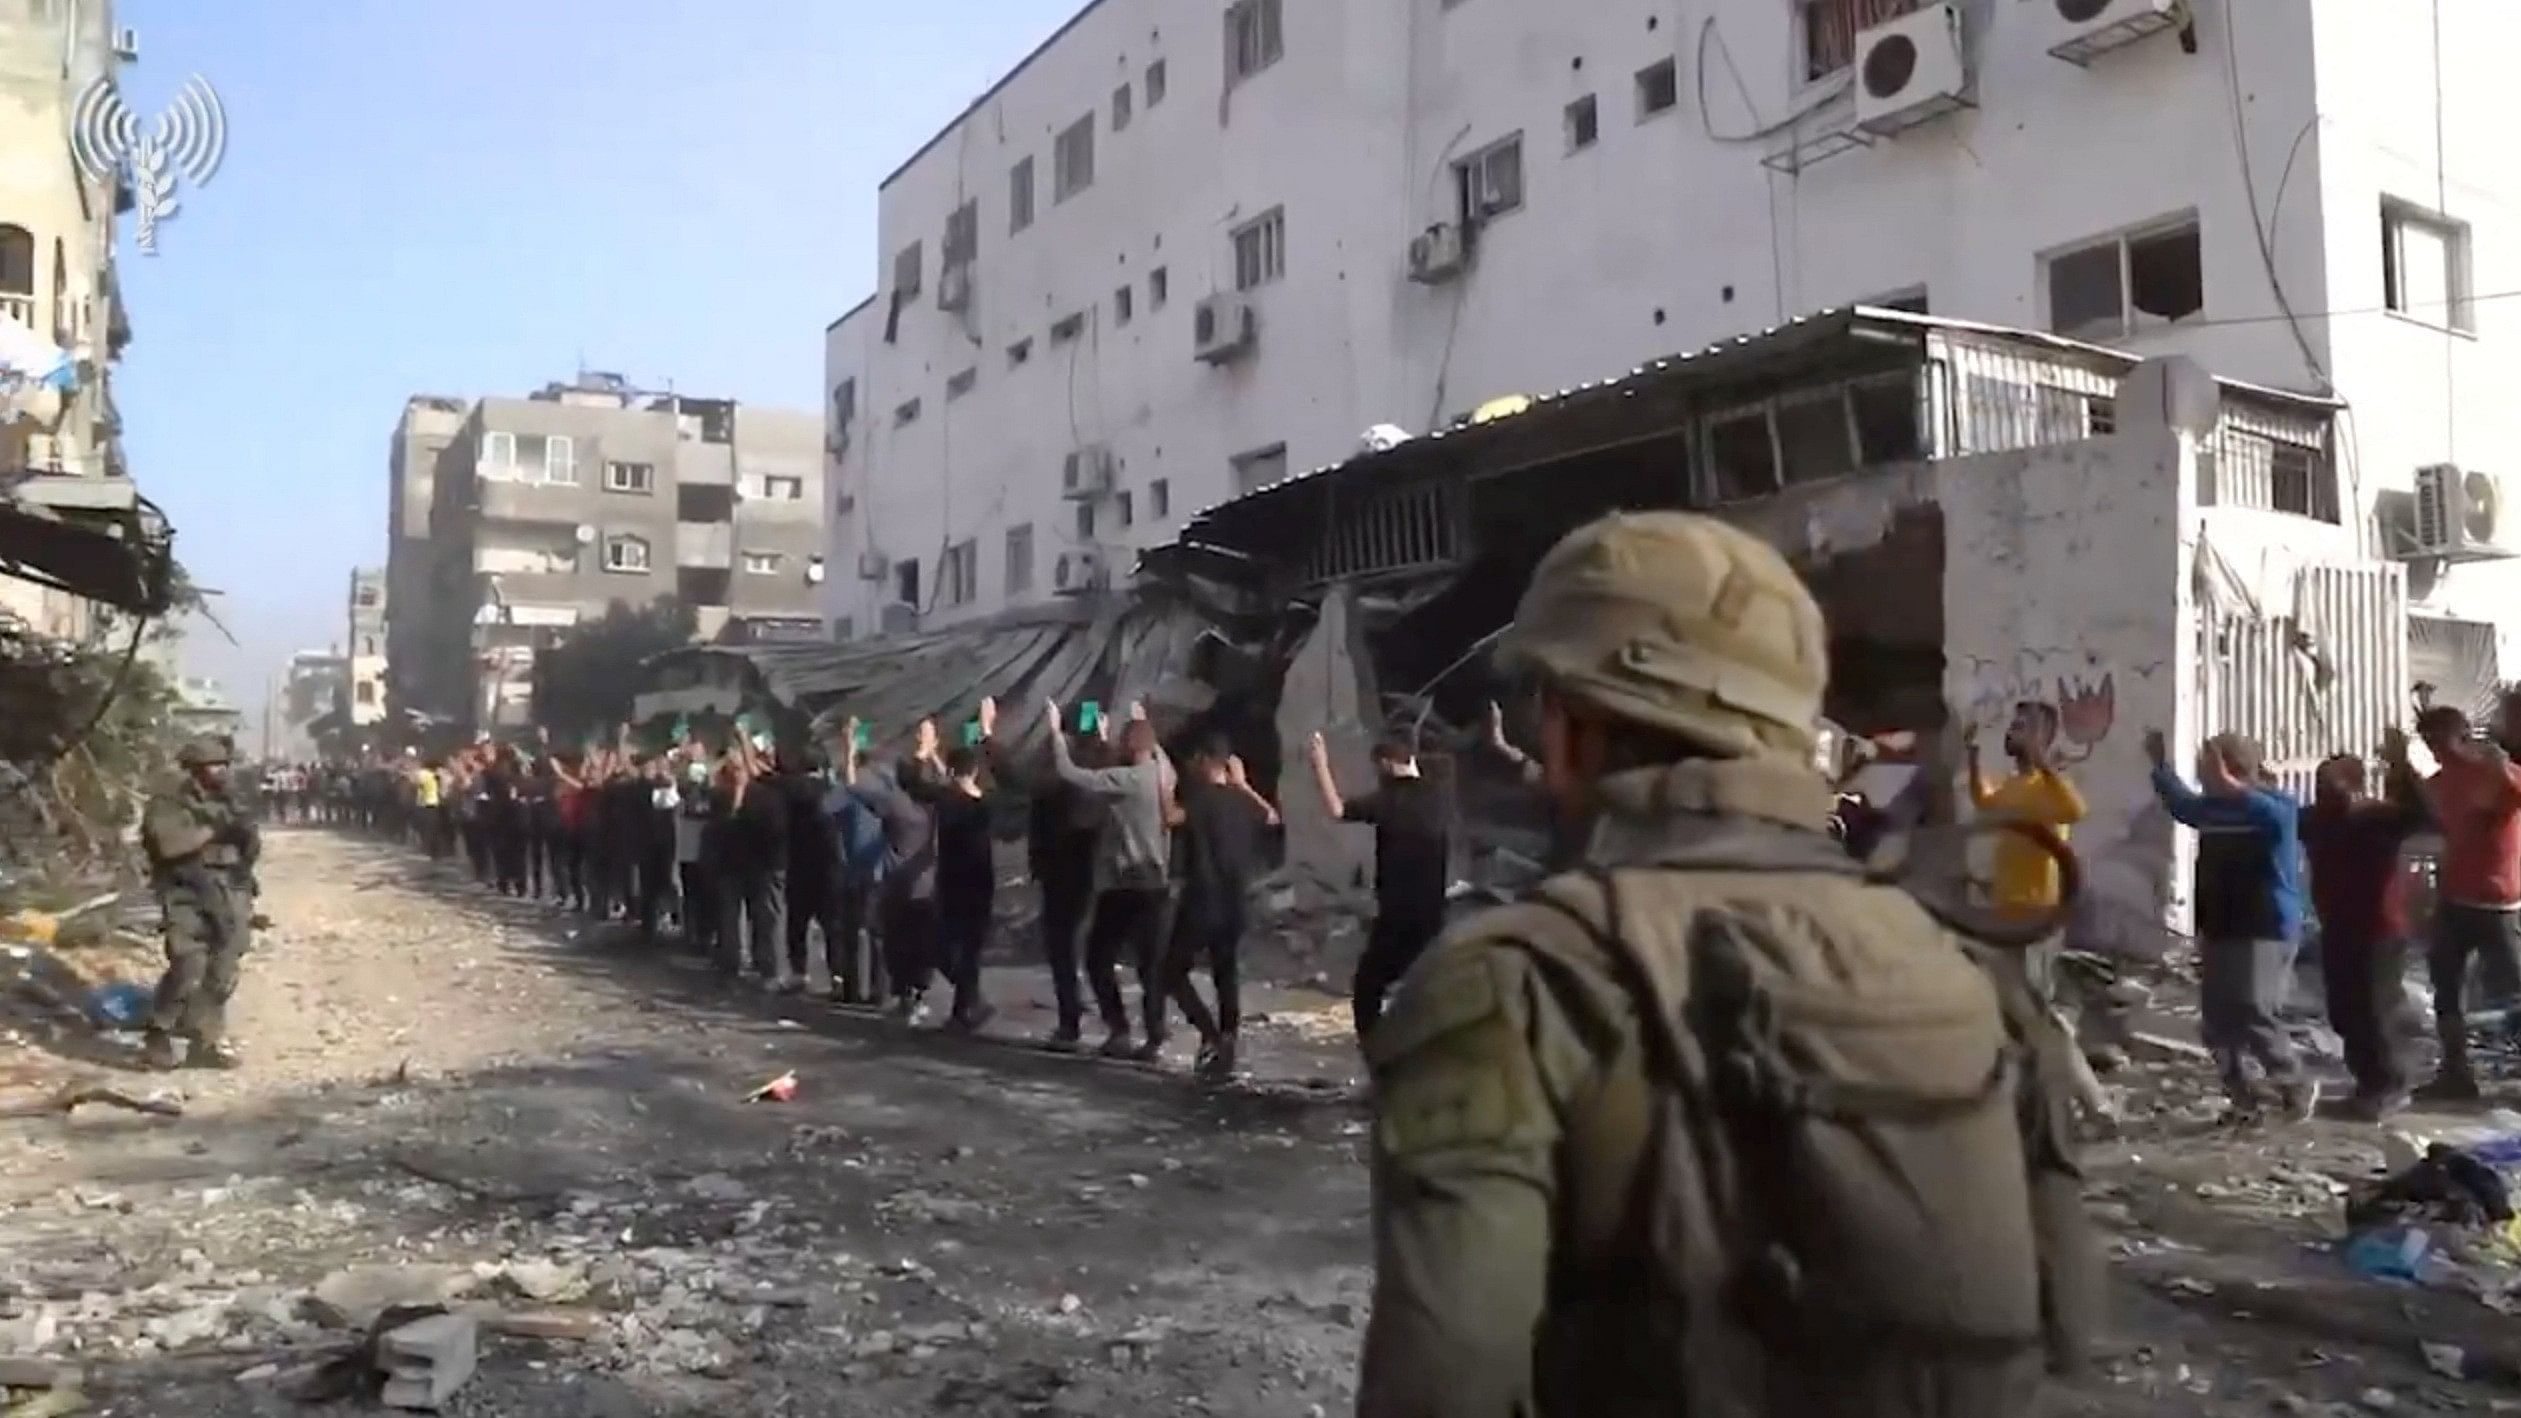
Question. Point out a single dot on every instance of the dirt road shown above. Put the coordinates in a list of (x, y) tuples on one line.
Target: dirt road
[(455, 1098)]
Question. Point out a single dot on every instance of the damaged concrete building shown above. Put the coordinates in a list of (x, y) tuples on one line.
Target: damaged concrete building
[(1988, 515)]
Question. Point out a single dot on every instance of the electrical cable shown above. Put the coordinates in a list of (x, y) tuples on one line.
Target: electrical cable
[(113, 691), (2259, 229)]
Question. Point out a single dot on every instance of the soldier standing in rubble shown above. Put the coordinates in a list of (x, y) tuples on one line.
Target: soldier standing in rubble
[(202, 849), (1719, 1123)]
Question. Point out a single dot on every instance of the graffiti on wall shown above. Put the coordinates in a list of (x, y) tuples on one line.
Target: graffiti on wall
[(2082, 699)]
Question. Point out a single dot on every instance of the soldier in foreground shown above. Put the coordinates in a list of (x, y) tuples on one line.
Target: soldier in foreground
[(1717, 1124), (202, 847)]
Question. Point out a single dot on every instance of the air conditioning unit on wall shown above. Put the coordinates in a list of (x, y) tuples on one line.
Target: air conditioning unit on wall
[(1911, 70), (1224, 327), (1438, 254), (2086, 28), (2460, 516), (874, 566)]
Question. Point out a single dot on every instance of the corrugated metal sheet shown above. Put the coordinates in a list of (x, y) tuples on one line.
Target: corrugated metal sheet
[(2329, 677), (2457, 661)]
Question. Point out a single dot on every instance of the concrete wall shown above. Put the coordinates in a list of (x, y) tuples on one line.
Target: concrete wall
[(1665, 234)]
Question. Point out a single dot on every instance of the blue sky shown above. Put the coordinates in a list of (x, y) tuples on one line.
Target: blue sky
[(469, 196)]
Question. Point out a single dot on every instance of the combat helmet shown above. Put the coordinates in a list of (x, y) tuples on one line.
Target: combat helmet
[(207, 751), (1678, 622)]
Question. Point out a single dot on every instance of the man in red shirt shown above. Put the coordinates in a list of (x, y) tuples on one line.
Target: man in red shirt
[(2476, 804), (2359, 888)]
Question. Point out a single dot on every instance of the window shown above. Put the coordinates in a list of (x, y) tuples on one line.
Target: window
[(17, 265), (626, 554), (1019, 559), (906, 581), (961, 384), (1259, 468), (1253, 40), (1020, 196), (2424, 267), (962, 236), (560, 462), (906, 413), (762, 563), (1829, 29), (1741, 456), (1085, 521), (1156, 83), (1124, 302), (1159, 288), (1584, 124), (906, 267), (844, 406), (1121, 101), (1124, 508), (1067, 328), (1658, 89), (1260, 250), (367, 597), (630, 477), (367, 691), (1072, 160), (1019, 352), (783, 487), (1489, 183), (958, 574), (1160, 499), (498, 455), (2113, 288)]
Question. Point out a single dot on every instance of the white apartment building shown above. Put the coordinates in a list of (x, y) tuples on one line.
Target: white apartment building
[(1393, 212)]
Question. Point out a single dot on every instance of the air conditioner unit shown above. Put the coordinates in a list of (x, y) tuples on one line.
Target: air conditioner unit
[(127, 45), (2460, 516), (1078, 572), (954, 287), (874, 566), (2085, 28), (1912, 69), (1224, 327), (1437, 254), (1087, 473)]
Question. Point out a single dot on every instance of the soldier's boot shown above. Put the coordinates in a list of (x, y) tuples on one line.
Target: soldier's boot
[(219, 1054), (158, 1051)]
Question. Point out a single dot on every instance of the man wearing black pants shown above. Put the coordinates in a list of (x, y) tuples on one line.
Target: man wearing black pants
[(907, 901), (1214, 855), (1413, 851), (755, 875), (1059, 852), (1132, 876), (967, 879), (813, 877)]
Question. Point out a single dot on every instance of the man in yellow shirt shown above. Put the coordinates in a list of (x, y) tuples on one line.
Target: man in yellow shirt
[(2025, 880)]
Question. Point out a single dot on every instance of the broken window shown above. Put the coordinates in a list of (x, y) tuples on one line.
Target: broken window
[(1067, 328), (907, 264), (1253, 38), (962, 235), (1829, 29), (1019, 559), (1159, 287), (1658, 89), (1741, 456), (1020, 196), (907, 412), (1160, 499), (1085, 521), (1124, 305), (961, 384), (1121, 105), (1489, 183), (628, 555), (1813, 440), (1156, 83), (2112, 288), (1019, 352), (1124, 509), (1072, 160), (906, 581), (958, 574), (1888, 426), (2424, 267), (1260, 250), (1584, 123)]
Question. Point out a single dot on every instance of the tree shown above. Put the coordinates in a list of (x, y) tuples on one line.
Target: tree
[(584, 685)]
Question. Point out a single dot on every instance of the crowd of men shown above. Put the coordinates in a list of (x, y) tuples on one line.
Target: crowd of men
[(886, 869)]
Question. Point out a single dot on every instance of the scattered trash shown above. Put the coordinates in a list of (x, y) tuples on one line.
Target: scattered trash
[(779, 1090), (120, 1005)]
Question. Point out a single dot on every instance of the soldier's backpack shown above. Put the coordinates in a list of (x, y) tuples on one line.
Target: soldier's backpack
[(1849, 1162)]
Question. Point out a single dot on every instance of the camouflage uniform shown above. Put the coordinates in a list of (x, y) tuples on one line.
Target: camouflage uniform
[(202, 847), (1541, 1233)]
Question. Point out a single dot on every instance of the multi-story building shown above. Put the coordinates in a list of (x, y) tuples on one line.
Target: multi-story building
[(311, 690), (57, 279), (550, 510), (368, 611), (1171, 258), (428, 424)]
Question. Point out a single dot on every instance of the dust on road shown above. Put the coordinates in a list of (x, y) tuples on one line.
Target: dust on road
[(458, 1098)]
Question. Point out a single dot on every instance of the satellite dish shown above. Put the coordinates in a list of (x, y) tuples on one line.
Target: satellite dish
[(586, 535)]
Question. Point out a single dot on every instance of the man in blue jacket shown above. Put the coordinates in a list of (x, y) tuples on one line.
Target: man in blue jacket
[(2247, 897)]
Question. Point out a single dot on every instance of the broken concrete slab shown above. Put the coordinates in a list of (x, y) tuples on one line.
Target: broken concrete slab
[(24, 1372), (544, 1324), (354, 1298), (427, 1360)]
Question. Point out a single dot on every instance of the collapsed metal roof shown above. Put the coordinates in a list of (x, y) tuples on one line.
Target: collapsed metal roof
[(1652, 401)]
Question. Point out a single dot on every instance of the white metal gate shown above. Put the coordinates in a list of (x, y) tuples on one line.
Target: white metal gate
[(2325, 675)]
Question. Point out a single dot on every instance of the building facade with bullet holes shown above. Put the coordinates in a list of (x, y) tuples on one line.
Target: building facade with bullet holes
[(1180, 253)]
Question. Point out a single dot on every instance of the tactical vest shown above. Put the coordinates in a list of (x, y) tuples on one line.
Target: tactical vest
[(1835, 1179)]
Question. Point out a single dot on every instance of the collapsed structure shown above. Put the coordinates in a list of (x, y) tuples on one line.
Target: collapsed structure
[(1988, 516)]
